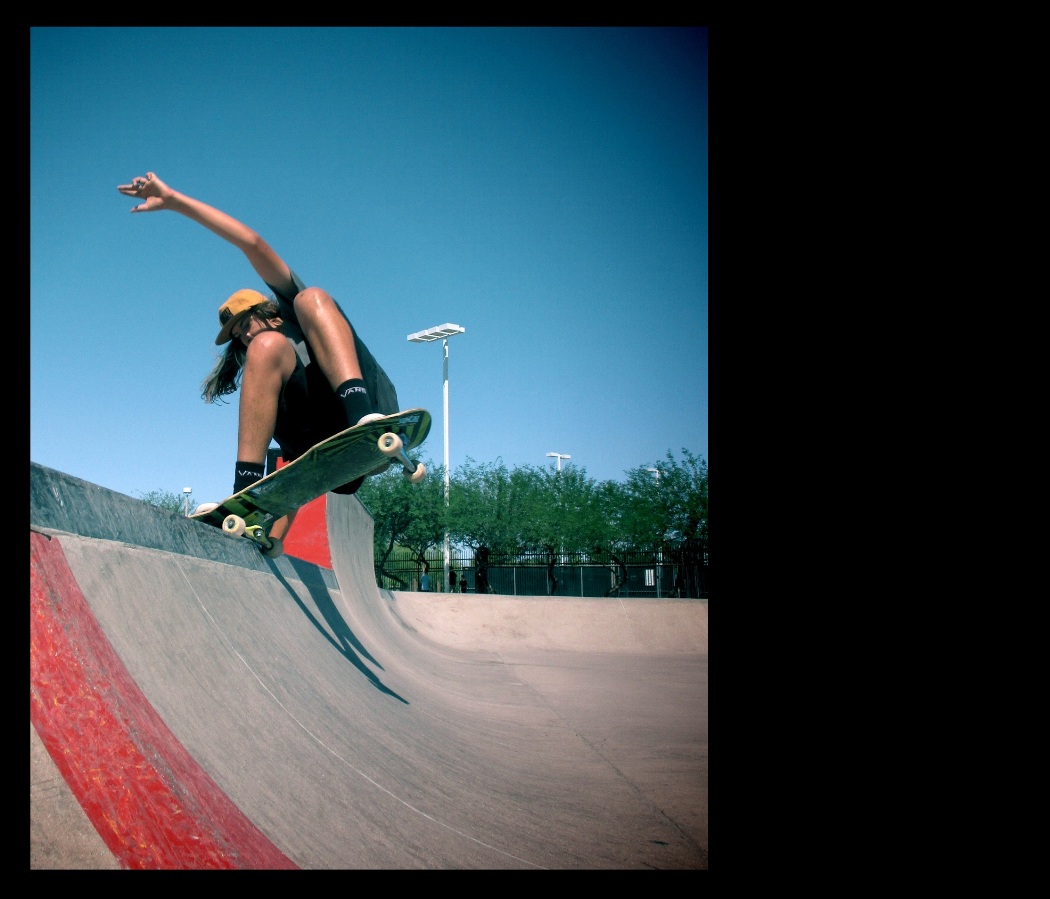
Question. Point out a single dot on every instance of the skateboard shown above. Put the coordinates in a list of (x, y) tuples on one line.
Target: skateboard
[(363, 450)]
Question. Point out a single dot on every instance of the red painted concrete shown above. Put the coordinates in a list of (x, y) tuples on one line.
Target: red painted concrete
[(151, 803), (308, 538)]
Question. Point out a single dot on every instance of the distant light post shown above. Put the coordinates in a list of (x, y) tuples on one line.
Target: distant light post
[(442, 333), (187, 491), (660, 549), (559, 457)]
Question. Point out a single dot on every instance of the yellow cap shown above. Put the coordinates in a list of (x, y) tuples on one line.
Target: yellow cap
[(239, 303)]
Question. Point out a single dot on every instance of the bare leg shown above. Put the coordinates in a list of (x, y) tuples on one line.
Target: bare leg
[(270, 363), (329, 335), (282, 526)]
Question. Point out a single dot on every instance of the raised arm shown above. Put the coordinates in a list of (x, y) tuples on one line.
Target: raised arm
[(158, 196)]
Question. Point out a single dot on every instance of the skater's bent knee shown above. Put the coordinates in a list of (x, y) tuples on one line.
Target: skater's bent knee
[(312, 298), (267, 344), (269, 351)]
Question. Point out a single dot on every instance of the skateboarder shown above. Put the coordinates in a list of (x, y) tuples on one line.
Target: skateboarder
[(304, 373)]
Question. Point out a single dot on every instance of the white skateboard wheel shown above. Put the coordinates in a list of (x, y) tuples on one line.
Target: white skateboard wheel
[(233, 526), (390, 444)]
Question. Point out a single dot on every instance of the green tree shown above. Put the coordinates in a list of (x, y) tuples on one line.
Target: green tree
[(610, 504), (484, 499), (405, 514), (683, 487), (666, 502), (481, 506), (425, 527), (560, 512), (165, 499), (529, 508)]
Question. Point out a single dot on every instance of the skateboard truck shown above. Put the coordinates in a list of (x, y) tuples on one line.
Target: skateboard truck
[(234, 526), (392, 446)]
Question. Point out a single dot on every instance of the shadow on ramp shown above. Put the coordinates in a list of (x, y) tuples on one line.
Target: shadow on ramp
[(342, 637)]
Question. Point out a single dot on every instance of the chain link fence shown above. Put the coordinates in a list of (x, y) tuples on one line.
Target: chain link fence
[(672, 572)]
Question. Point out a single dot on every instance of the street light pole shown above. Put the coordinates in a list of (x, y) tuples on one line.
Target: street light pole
[(660, 549), (442, 333), (559, 457), (187, 491)]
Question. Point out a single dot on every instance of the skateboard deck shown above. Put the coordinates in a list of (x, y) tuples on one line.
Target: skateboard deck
[(362, 450)]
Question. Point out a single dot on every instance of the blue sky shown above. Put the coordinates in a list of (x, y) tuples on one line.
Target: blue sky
[(545, 188)]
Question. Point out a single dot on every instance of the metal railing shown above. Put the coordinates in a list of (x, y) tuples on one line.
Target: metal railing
[(672, 572)]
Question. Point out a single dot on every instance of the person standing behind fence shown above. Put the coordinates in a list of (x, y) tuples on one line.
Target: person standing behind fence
[(452, 581), (424, 581), (481, 570)]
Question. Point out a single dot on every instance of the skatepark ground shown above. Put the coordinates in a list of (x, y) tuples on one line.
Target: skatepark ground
[(194, 705)]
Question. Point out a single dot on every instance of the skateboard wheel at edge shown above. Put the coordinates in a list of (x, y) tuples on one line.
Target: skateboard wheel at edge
[(416, 476), (276, 549), (233, 526), (390, 444)]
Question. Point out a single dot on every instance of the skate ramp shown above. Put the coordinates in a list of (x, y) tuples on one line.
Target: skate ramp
[(194, 705)]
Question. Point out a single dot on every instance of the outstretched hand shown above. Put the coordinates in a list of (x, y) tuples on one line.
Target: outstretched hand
[(148, 187), (156, 195)]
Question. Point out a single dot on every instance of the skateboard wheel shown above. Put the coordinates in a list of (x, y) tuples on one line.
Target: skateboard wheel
[(233, 526), (390, 444), (205, 507), (416, 476)]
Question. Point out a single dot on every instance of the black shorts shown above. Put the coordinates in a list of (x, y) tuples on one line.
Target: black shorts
[(308, 411)]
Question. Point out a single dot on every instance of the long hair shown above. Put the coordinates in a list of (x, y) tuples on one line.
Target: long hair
[(225, 377)]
